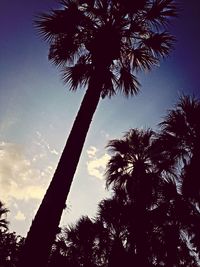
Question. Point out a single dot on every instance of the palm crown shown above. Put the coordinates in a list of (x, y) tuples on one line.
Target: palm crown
[(116, 37), (180, 138)]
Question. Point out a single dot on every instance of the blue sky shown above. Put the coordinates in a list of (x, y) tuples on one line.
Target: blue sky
[(37, 111)]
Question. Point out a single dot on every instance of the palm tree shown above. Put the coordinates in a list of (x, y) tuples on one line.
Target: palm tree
[(132, 168), (99, 44), (180, 139), (158, 215)]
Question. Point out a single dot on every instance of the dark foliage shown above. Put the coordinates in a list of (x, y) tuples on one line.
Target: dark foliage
[(149, 220), (10, 243)]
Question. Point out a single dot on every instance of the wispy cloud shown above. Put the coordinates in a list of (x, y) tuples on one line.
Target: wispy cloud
[(92, 151), (43, 143), (96, 165)]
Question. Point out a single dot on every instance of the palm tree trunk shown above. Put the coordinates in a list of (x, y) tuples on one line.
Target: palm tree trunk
[(140, 237), (45, 224)]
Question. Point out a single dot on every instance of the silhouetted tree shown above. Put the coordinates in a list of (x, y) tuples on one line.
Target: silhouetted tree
[(98, 44), (10, 249), (159, 215), (131, 167), (10, 243), (147, 208), (181, 140)]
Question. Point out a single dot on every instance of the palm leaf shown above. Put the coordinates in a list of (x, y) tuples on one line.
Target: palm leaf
[(142, 60), (63, 50), (109, 83), (159, 43), (56, 22), (78, 75), (127, 83), (161, 11)]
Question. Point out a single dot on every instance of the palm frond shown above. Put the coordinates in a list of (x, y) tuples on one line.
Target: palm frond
[(142, 60), (161, 11), (182, 122), (115, 167), (132, 7), (78, 75), (62, 50), (56, 22), (159, 43), (109, 83), (190, 108), (118, 145), (127, 83)]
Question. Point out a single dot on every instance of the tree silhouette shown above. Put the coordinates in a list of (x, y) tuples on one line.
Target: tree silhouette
[(180, 141), (181, 137), (131, 167), (98, 44), (148, 220), (10, 243), (159, 216), (109, 240)]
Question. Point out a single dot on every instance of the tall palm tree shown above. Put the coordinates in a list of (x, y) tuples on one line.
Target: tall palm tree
[(99, 44)]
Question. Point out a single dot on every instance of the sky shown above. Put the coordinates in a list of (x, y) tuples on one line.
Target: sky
[(37, 111)]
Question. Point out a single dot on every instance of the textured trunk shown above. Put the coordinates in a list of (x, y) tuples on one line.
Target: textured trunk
[(45, 225)]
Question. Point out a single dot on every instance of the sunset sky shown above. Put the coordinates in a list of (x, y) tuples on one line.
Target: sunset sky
[(37, 111)]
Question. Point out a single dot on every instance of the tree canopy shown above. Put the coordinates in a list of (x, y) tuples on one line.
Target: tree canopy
[(149, 220)]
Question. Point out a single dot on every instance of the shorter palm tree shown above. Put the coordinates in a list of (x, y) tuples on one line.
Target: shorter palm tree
[(180, 139), (132, 168)]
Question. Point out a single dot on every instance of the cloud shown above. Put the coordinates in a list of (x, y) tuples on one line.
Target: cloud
[(19, 179), (44, 144), (92, 151), (20, 216), (96, 166)]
